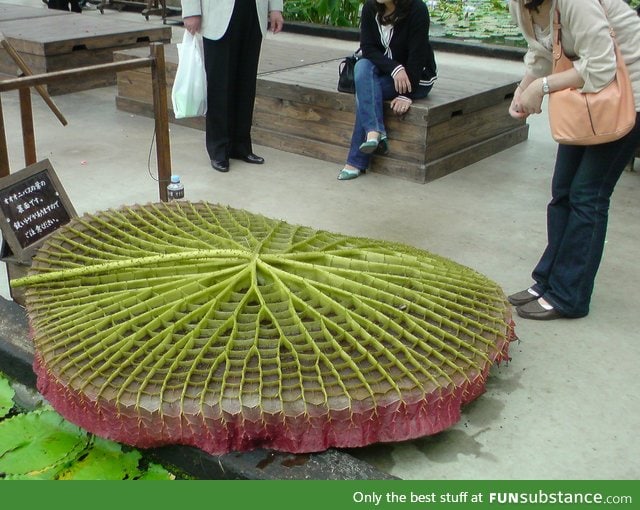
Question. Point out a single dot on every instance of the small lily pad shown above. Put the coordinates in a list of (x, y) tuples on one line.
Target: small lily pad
[(105, 460), (38, 444), (6, 397)]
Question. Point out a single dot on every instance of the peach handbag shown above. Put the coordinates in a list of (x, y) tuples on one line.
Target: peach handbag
[(578, 118)]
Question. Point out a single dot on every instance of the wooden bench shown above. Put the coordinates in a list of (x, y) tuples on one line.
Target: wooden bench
[(72, 40), (299, 110)]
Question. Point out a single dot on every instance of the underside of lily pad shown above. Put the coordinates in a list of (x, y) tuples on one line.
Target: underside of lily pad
[(194, 323)]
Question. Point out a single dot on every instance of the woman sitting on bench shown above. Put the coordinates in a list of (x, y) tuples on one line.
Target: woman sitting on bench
[(397, 63)]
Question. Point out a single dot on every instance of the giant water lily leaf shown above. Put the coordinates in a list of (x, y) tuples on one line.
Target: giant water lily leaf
[(6, 397), (38, 444), (199, 324)]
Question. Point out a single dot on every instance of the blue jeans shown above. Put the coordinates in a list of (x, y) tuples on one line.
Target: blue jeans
[(372, 89), (581, 188)]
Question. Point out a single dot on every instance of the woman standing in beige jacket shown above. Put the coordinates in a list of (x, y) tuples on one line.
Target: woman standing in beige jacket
[(584, 176), (232, 32)]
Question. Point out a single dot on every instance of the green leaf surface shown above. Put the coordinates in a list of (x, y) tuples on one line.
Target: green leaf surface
[(104, 461), (6, 397), (38, 444), (156, 472), (159, 313)]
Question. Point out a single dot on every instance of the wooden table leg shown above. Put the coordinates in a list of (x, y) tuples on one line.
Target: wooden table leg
[(4, 155), (28, 135)]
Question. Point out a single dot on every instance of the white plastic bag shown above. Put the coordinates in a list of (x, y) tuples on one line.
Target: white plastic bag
[(189, 93)]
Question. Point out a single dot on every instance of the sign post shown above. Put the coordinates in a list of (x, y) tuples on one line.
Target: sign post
[(33, 205)]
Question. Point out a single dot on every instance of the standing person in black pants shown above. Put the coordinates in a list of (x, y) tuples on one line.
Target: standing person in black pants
[(232, 32), (584, 176), (65, 5)]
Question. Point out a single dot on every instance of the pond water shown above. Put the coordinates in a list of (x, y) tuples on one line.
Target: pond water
[(479, 21)]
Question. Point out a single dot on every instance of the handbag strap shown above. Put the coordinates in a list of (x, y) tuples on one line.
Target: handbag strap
[(557, 32), (557, 36), (606, 15)]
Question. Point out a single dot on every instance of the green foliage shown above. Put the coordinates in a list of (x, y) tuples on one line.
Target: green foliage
[(476, 20), (6, 397), (339, 13), (38, 445), (485, 21), (41, 445), (105, 460)]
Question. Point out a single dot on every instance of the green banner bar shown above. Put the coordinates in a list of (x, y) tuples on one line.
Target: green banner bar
[(325, 495)]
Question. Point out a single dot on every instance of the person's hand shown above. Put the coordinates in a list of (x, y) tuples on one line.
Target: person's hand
[(401, 82), (530, 99), (192, 24), (515, 108), (276, 21), (400, 105)]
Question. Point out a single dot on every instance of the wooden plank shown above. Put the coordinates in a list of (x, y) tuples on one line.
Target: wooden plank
[(298, 145), (296, 93), (467, 130), (337, 134), (451, 95), (398, 168), (10, 12), (8, 66), (315, 84), (4, 153), (75, 41), (315, 123), (469, 155), (444, 109), (41, 65), (39, 36), (135, 85), (327, 152), (145, 109), (275, 56), (171, 58), (26, 71), (327, 123)]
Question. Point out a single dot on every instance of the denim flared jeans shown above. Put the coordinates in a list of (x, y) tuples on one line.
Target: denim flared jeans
[(581, 188), (372, 89)]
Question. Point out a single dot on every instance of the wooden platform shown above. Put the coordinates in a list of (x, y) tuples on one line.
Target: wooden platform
[(9, 12), (49, 44), (299, 110)]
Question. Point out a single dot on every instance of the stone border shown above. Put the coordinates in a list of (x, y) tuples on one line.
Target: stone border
[(439, 43)]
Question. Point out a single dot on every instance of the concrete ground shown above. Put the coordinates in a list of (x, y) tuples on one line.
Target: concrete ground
[(566, 405)]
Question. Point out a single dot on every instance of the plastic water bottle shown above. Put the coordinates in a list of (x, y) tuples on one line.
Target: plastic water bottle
[(175, 190)]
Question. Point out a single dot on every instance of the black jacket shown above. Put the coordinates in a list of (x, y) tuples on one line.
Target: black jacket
[(409, 44)]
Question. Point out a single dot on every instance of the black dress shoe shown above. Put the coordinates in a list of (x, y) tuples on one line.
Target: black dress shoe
[(534, 310), (250, 158), (521, 298), (221, 165)]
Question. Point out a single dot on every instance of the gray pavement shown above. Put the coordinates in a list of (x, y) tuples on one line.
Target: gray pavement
[(566, 405)]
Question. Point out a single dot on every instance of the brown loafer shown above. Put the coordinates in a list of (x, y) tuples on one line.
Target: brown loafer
[(534, 310), (521, 298)]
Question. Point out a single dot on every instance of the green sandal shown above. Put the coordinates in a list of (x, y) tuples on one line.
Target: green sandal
[(369, 147), (347, 174), (383, 146)]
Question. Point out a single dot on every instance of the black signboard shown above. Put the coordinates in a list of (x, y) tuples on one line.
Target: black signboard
[(33, 205)]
